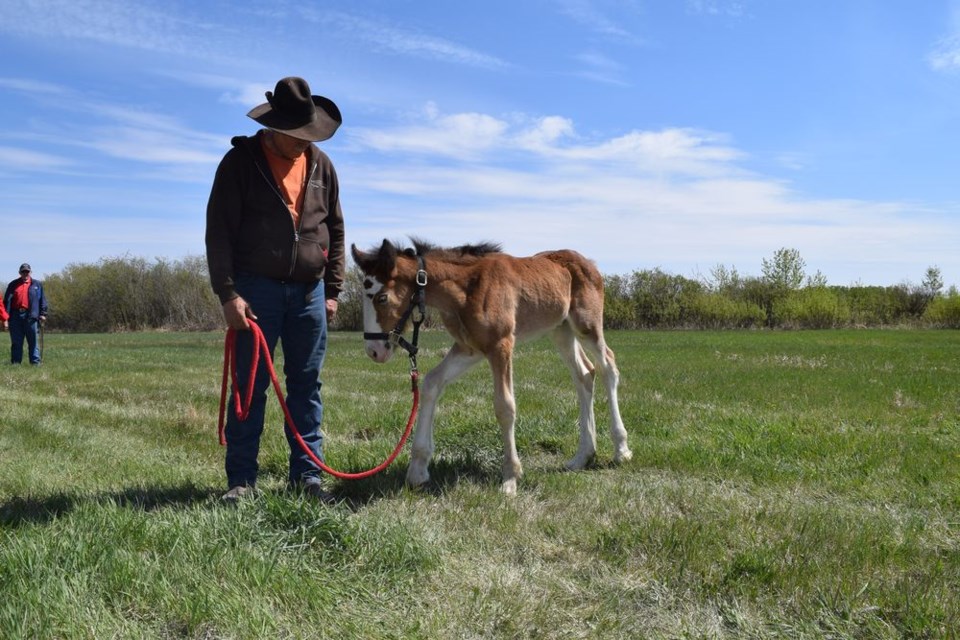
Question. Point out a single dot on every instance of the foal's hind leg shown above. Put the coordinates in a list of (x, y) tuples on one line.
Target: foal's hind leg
[(454, 364), (504, 404), (583, 375), (607, 364)]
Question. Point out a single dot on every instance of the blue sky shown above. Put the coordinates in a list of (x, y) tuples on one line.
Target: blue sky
[(678, 134)]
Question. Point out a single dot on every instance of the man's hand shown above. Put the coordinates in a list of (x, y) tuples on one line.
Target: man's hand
[(332, 306), (5, 325), (236, 312)]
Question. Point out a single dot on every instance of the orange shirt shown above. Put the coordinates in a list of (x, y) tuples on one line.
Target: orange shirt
[(21, 295), (291, 175)]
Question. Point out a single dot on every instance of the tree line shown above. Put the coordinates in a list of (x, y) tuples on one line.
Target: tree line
[(784, 296), (134, 294)]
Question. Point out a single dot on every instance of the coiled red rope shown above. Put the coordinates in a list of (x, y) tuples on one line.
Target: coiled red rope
[(242, 408)]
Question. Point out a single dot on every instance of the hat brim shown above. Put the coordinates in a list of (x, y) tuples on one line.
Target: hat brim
[(325, 122)]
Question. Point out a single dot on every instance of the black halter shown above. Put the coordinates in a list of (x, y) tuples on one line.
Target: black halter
[(418, 305)]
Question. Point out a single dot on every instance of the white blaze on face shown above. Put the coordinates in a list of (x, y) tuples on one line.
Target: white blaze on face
[(378, 350)]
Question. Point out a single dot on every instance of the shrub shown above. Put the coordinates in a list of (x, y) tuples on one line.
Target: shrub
[(716, 311), (873, 306), (130, 294), (811, 308), (943, 312), (658, 298)]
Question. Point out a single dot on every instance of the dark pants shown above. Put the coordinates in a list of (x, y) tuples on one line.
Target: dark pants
[(296, 315), (23, 326)]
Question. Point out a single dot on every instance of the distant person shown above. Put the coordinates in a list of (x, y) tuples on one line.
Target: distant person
[(27, 307), (275, 252)]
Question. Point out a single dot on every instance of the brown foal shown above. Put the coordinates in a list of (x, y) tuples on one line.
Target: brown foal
[(488, 301)]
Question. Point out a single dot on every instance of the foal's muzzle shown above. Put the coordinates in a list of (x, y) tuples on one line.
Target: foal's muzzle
[(380, 346)]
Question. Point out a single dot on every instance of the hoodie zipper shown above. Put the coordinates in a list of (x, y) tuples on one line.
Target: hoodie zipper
[(296, 230)]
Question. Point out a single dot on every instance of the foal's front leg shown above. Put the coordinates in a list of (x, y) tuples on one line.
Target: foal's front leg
[(457, 362)]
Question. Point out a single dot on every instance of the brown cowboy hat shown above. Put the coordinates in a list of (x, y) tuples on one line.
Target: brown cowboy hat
[(290, 109)]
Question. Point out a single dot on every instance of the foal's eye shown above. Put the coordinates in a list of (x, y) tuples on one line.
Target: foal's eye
[(381, 299)]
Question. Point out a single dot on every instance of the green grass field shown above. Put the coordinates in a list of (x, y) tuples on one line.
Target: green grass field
[(783, 485)]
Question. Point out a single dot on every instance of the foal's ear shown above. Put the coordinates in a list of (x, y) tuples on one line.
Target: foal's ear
[(361, 258), (383, 258), (388, 252)]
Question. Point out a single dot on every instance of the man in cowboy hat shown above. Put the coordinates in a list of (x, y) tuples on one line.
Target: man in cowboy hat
[(275, 252)]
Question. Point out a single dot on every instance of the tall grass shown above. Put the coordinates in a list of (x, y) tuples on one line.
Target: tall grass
[(799, 484)]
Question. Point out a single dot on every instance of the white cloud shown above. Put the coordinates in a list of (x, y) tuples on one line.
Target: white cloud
[(669, 151), (18, 160), (727, 8), (105, 21), (598, 67), (175, 29), (30, 86), (586, 13), (946, 54), (545, 133), (462, 135), (391, 39), (473, 135), (152, 147), (119, 131)]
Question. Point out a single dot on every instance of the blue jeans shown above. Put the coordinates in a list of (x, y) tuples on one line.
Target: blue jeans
[(23, 326), (294, 313)]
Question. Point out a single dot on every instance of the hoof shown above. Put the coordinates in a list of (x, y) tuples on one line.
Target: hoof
[(509, 487), (579, 462), (622, 456), (417, 476)]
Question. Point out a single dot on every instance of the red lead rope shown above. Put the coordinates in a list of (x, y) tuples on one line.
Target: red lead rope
[(243, 408)]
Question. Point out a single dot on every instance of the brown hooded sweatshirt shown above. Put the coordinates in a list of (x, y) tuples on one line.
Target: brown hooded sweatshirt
[(250, 230)]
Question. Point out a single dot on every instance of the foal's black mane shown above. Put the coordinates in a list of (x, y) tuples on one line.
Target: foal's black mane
[(462, 253)]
